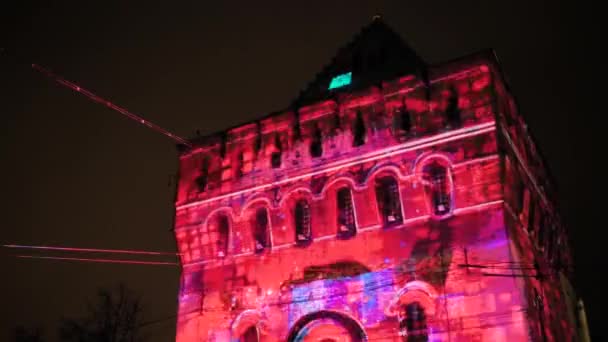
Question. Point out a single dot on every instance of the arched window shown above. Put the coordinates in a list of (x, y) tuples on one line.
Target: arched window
[(261, 231), (223, 230), (412, 323), (302, 222), (217, 239), (326, 326), (346, 213), (437, 177), (250, 335), (387, 197)]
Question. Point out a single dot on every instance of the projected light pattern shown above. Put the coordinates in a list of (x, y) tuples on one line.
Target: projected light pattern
[(340, 81), (391, 214)]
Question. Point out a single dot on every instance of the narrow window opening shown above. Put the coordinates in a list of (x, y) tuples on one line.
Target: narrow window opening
[(276, 160), (413, 323), (223, 235), (250, 335), (452, 111), (261, 234), (336, 123), (359, 130), (387, 197), (437, 176), (297, 130), (316, 145), (240, 165), (406, 120), (275, 157), (346, 214), (302, 222)]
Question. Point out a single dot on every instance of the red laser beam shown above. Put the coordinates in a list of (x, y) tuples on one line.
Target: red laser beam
[(109, 104), (93, 250), (106, 261)]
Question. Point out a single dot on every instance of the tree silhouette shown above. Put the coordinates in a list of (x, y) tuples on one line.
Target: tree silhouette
[(114, 317), (23, 334)]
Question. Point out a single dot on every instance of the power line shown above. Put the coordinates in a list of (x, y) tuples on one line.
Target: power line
[(62, 81), (107, 261), (92, 250), (157, 321), (68, 84)]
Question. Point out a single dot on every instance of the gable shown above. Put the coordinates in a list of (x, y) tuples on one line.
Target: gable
[(375, 54)]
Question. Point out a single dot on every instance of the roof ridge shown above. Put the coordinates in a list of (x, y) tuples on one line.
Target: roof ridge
[(375, 37)]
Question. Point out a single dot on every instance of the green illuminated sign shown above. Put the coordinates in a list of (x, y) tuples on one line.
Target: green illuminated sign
[(341, 80)]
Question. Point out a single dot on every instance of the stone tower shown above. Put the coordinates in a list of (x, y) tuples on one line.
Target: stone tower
[(391, 201)]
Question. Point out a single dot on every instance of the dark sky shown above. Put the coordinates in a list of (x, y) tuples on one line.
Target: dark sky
[(78, 174)]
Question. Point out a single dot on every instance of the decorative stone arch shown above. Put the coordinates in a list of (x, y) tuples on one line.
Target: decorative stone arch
[(337, 179), (414, 291), (423, 160), (343, 322), (244, 321), (229, 211), (300, 189), (254, 200), (385, 168)]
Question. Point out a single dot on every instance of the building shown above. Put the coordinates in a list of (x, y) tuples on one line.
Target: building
[(392, 201)]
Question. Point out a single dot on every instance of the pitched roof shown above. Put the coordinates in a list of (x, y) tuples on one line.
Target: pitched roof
[(376, 53)]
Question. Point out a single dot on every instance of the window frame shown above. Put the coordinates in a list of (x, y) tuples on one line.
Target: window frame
[(443, 197), (346, 214), (223, 241), (302, 221), (256, 226), (383, 186)]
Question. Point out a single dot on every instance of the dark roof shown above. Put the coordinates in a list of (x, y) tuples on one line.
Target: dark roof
[(375, 54)]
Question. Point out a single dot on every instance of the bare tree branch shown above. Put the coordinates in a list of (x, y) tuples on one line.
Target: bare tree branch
[(115, 316)]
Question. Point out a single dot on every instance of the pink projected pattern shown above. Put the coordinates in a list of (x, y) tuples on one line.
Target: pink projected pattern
[(400, 212)]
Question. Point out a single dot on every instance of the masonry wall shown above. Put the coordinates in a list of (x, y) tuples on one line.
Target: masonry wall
[(539, 241), (452, 264)]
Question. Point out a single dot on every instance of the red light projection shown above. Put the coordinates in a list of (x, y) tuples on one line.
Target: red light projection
[(105, 261), (389, 214), (62, 81)]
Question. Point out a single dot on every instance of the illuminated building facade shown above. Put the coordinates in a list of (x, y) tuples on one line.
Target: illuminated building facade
[(392, 201)]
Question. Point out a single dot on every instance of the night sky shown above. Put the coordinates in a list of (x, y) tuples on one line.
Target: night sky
[(75, 173)]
